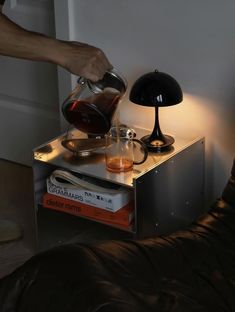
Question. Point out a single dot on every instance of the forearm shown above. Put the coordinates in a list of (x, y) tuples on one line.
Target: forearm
[(78, 58), (18, 42)]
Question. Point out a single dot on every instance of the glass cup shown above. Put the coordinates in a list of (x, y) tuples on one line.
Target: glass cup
[(122, 149)]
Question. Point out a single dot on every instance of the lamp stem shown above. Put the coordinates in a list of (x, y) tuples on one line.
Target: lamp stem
[(157, 133), (157, 141)]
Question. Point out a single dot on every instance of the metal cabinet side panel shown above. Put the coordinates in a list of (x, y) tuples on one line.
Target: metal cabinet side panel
[(171, 195)]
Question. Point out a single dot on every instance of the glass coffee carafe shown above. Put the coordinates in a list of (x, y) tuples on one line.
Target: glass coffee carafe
[(91, 106)]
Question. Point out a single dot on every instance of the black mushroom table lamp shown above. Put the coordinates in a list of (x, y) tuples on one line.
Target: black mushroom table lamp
[(156, 89)]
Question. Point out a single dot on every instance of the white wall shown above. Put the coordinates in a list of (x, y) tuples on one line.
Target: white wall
[(194, 41)]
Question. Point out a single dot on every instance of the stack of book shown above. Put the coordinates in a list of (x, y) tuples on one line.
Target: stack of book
[(105, 203)]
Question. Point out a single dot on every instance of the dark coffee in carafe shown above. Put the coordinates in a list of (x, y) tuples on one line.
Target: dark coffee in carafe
[(91, 106), (93, 115)]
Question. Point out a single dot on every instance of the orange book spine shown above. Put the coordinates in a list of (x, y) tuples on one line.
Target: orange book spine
[(123, 216)]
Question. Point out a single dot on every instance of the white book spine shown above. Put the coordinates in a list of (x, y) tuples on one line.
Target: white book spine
[(110, 202)]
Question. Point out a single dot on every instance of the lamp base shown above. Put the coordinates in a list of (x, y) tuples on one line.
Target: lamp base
[(158, 144)]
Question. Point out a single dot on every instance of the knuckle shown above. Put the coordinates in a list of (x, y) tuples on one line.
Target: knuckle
[(99, 52)]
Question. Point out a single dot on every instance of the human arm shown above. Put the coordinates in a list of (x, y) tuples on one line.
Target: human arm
[(78, 58)]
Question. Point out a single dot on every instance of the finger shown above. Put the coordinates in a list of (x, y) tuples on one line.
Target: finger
[(101, 59), (98, 70)]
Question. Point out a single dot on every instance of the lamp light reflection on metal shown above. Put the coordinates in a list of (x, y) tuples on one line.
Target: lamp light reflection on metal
[(156, 89)]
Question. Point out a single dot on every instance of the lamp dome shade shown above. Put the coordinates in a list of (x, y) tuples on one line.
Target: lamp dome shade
[(156, 89)]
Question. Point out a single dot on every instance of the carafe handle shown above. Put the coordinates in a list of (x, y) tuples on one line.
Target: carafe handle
[(143, 147)]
